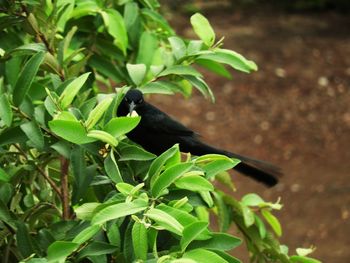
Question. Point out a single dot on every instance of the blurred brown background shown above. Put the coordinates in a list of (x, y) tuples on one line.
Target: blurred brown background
[(294, 112)]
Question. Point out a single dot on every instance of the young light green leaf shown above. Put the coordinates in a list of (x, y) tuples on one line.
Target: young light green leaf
[(133, 152), (103, 136), (34, 134), (147, 47), (26, 77), (261, 226), (159, 87), (191, 232), (204, 256), (58, 251), (252, 200), (72, 131), (304, 251), (137, 72), (248, 216), (6, 114), (112, 168), (85, 211), (86, 234), (194, 183), (118, 210), (139, 240), (165, 220), (121, 125), (168, 177), (72, 90), (180, 70), (301, 259), (231, 58), (114, 22), (273, 221), (178, 47), (203, 29), (96, 114)]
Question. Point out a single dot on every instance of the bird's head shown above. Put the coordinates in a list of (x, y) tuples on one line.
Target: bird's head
[(133, 99)]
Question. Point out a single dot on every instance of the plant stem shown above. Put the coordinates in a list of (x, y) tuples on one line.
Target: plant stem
[(65, 189)]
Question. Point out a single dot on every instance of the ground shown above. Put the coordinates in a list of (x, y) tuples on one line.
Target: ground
[(293, 112)]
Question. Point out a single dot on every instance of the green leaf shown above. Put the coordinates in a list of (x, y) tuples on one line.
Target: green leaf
[(261, 226), (12, 135), (204, 256), (147, 48), (116, 28), (137, 72), (231, 58), (219, 241), (58, 251), (96, 248), (133, 152), (159, 87), (6, 114), (29, 48), (85, 211), (201, 85), (191, 232), (159, 20), (24, 241), (214, 67), (248, 216), (304, 251), (121, 125), (72, 89), (180, 70), (26, 77), (194, 183), (301, 259), (103, 136), (105, 67), (218, 166), (273, 221), (226, 256), (118, 210), (4, 177), (168, 177), (139, 240), (72, 131), (34, 134), (112, 168), (252, 200), (178, 47), (86, 234), (203, 29), (165, 220), (96, 114)]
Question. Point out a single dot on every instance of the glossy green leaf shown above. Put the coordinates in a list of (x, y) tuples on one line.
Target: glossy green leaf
[(203, 29), (178, 47), (26, 77), (96, 114), (96, 248), (226, 256), (60, 250), (219, 241), (85, 211), (194, 183), (248, 216), (86, 234), (6, 114), (204, 256), (72, 89), (12, 135), (231, 58), (159, 87), (273, 221), (121, 125), (261, 226), (133, 152), (147, 47), (116, 28), (34, 134), (191, 232), (137, 72), (252, 200), (139, 240), (119, 210), (168, 177), (215, 67), (180, 70), (201, 85), (103, 136), (4, 177), (112, 168), (301, 259), (165, 220), (72, 131)]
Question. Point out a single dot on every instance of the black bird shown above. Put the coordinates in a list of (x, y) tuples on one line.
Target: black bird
[(157, 132)]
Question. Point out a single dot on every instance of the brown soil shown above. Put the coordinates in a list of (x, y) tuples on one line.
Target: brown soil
[(293, 112)]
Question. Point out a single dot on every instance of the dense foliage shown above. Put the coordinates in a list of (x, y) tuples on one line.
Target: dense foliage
[(72, 186)]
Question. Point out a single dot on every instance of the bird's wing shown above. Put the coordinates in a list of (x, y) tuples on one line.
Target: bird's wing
[(159, 122)]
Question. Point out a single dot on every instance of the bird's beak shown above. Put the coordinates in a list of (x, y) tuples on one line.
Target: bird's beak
[(132, 106)]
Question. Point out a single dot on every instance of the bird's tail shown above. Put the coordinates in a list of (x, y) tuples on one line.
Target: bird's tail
[(261, 171)]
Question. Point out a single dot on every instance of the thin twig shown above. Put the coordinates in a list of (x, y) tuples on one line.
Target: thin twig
[(65, 189)]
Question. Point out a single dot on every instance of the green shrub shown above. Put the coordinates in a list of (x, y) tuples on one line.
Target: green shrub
[(72, 186)]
